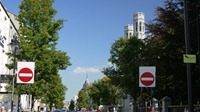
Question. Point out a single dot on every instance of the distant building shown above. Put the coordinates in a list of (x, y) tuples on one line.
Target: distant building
[(137, 28), (75, 102)]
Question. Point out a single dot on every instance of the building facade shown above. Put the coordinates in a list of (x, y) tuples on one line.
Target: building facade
[(8, 31), (137, 28)]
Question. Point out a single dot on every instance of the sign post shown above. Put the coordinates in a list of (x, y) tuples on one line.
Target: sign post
[(147, 76), (25, 73)]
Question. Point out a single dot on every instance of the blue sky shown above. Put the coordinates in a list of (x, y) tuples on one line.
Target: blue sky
[(91, 28)]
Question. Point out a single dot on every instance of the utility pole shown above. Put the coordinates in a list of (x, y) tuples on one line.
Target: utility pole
[(198, 28), (187, 46)]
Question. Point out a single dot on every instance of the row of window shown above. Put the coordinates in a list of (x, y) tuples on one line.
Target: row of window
[(5, 18), (141, 29), (2, 36), (4, 78)]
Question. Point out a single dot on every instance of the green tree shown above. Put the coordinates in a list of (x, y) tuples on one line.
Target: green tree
[(103, 92), (167, 33), (56, 87), (72, 105), (164, 48), (126, 61), (83, 100), (127, 54), (38, 36)]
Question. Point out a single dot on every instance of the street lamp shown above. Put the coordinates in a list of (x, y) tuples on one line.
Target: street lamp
[(14, 45)]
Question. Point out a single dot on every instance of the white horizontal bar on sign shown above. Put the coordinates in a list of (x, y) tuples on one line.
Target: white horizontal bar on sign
[(25, 75), (147, 79)]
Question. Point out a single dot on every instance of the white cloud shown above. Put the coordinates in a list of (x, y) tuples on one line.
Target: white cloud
[(79, 70)]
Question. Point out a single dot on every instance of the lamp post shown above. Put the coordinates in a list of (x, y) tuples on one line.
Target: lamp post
[(13, 44)]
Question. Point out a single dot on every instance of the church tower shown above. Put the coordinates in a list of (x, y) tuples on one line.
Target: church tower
[(128, 30), (139, 26)]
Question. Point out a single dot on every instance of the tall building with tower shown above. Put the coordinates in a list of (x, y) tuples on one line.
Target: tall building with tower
[(137, 28)]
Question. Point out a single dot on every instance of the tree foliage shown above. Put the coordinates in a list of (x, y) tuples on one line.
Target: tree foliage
[(72, 105), (167, 31), (56, 87), (164, 48), (126, 57), (38, 37), (83, 99), (103, 92)]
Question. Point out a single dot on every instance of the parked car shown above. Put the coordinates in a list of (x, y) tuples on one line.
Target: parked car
[(63, 110), (56, 111)]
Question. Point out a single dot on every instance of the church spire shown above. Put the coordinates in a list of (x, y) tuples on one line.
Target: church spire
[(86, 83)]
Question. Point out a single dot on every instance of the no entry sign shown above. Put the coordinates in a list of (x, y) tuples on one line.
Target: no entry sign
[(147, 76), (25, 72)]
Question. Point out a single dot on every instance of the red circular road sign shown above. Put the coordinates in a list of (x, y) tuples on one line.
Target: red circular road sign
[(25, 74), (147, 79)]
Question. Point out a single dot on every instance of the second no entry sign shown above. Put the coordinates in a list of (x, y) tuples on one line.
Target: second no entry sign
[(147, 76)]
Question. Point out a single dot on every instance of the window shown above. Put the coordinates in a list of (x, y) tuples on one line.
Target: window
[(143, 28), (140, 26), (130, 34), (136, 26)]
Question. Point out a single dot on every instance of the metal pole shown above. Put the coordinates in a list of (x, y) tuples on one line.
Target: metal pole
[(151, 100), (13, 80), (198, 28), (19, 95), (188, 65), (29, 99), (141, 103), (19, 100)]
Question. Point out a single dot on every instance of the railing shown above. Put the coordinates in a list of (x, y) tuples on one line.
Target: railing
[(178, 108), (173, 108), (183, 108)]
